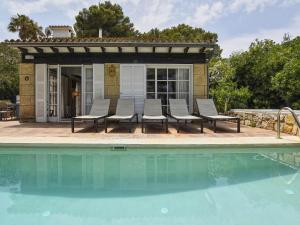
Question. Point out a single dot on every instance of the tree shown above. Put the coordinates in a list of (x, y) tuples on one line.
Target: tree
[(223, 89), (256, 67), (287, 83), (9, 79), (183, 32), (27, 28), (106, 16)]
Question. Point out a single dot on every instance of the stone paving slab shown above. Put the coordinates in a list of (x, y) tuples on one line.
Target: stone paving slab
[(15, 132)]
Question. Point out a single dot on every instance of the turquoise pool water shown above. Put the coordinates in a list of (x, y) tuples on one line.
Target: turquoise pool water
[(91, 186)]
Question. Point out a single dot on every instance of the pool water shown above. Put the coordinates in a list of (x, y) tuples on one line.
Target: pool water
[(68, 185)]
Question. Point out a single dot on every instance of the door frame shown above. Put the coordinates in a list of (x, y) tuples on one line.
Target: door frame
[(58, 67)]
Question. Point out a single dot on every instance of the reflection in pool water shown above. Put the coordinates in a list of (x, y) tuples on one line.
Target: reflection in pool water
[(148, 187)]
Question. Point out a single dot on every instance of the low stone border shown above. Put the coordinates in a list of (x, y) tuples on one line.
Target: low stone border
[(267, 119)]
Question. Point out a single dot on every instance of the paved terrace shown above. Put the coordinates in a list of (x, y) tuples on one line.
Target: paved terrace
[(15, 132)]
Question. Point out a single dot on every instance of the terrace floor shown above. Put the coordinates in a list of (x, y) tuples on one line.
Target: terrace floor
[(15, 132)]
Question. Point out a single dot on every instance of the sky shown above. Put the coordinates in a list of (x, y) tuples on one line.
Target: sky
[(237, 22)]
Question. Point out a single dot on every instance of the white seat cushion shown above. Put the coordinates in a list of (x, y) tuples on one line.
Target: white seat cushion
[(188, 117), (154, 117)]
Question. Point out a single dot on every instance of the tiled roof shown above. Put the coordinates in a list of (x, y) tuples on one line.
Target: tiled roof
[(106, 40), (95, 40), (60, 26)]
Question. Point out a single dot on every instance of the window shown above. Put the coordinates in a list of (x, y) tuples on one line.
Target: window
[(52, 92), (168, 83)]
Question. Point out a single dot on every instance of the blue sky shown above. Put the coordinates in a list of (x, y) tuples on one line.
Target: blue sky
[(237, 22)]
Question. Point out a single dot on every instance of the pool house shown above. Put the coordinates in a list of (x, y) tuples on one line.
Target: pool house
[(60, 77)]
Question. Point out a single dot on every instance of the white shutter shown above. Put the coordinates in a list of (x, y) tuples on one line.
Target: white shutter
[(41, 92), (132, 84), (98, 80)]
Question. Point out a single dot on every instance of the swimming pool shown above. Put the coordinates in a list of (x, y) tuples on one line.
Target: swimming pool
[(92, 185)]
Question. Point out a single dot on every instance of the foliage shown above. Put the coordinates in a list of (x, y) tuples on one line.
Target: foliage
[(9, 79), (27, 28), (107, 16), (183, 32), (223, 89), (269, 71), (287, 83)]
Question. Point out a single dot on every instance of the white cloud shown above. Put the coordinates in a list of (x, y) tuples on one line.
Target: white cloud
[(154, 13), (250, 5), (242, 42), (39, 6), (205, 13)]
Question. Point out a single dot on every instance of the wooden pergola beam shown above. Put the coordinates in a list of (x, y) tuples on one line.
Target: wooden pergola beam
[(120, 49), (55, 50), (39, 50), (23, 50), (71, 50), (201, 50), (186, 50), (86, 49)]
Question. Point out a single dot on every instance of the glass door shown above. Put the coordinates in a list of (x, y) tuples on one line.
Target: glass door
[(52, 98)]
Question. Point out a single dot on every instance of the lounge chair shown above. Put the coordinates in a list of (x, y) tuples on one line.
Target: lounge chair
[(208, 111), (153, 111), (125, 111), (98, 111), (179, 111)]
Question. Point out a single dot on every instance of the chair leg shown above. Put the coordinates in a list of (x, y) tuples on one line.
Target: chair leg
[(137, 119), (105, 124), (215, 126), (142, 125), (130, 127), (238, 125), (201, 124), (166, 125), (177, 126), (96, 124), (72, 125)]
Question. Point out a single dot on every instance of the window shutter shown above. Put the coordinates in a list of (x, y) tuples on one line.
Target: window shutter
[(41, 92), (98, 80)]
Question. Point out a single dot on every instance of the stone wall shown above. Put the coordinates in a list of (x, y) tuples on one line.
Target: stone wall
[(200, 89), (267, 119), (27, 92), (112, 84)]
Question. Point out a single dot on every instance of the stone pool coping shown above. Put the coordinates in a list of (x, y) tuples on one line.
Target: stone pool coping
[(285, 140)]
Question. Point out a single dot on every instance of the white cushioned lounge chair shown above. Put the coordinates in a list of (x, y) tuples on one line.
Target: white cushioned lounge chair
[(179, 111), (208, 111), (98, 111), (124, 112), (152, 112)]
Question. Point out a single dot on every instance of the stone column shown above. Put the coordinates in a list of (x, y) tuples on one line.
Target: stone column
[(27, 92), (200, 82), (112, 84)]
